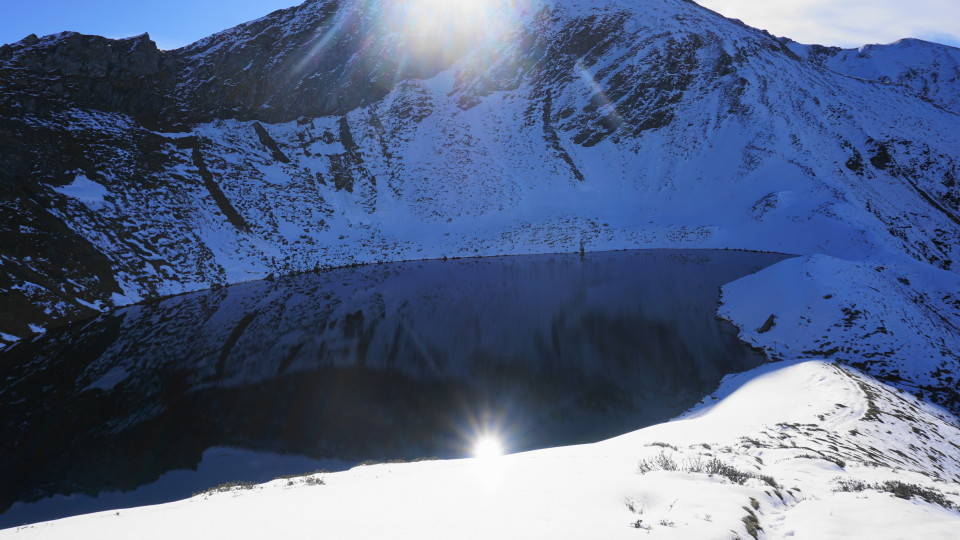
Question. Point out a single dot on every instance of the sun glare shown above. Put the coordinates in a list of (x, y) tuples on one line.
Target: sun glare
[(488, 447), (437, 21), (464, 9)]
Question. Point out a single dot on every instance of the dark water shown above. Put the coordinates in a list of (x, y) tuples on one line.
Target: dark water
[(399, 361)]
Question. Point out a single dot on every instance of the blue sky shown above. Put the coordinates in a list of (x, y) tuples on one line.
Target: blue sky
[(174, 23), (848, 23), (171, 23)]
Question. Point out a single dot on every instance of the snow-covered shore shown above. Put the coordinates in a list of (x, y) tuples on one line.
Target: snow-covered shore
[(899, 321), (798, 430)]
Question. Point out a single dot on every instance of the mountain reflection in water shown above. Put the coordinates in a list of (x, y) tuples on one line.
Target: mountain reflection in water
[(392, 361)]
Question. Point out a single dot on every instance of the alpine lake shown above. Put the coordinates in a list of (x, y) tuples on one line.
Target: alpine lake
[(328, 370)]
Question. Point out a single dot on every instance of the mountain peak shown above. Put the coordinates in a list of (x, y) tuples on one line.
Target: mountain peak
[(931, 70)]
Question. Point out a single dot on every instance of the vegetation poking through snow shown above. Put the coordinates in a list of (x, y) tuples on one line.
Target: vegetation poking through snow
[(752, 523), (307, 479), (395, 461), (302, 475), (710, 467), (665, 445), (898, 489), (227, 487), (826, 457)]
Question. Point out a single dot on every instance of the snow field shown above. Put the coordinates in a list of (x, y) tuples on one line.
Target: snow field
[(782, 421)]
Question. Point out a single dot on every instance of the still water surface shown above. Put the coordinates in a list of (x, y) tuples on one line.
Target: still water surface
[(396, 361)]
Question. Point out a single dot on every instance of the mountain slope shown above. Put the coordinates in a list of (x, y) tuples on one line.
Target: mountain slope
[(335, 133), (930, 69)]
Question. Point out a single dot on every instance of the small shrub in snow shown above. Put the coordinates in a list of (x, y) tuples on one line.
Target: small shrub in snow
[(835, 460), (295, 476), (737, 476), (308, 481), (898, 489), (908, 491), (226, 487), (664, 445), (660, 462), (714, 466), (752, 523)]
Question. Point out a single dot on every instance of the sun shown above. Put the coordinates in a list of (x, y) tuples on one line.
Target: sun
[(441, 20), (430, 35), (452, 9), (488, 447)]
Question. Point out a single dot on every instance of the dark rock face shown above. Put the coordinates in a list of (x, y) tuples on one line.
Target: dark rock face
[(313, 60), (129, 76), (69, 274)]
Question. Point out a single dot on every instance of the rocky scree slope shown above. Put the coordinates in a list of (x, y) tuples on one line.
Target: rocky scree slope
[(325, 135)]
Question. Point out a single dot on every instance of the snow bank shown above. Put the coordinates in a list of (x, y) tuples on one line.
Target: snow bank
[(900, 321), (788, 426)]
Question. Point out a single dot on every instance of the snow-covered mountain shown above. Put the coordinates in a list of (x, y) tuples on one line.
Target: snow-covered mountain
[(336, 133), (340, 132), (929, 69)]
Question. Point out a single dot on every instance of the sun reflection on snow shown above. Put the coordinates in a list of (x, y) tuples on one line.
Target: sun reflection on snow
[(488, 465), (487, 435)]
